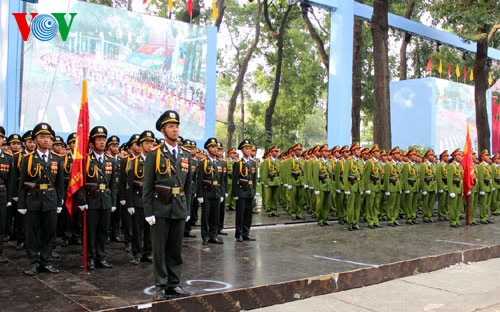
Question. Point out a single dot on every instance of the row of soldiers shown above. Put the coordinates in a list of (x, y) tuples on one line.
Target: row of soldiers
[(370, 184)]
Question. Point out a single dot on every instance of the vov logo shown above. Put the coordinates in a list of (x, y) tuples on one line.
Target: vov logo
[(44, 27)]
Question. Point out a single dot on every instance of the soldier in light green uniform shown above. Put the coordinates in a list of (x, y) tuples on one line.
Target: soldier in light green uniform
[(410, 185), (232, 157), (392, 189), (428, 185), (485, 181), (495, 170), (371, 183), (334, 157), (365, 156), (270, 179), (340, 186), (295, 181), (473, 195), (322, 170), (283, 187), (442, 185), (352, 187), (455, 188)]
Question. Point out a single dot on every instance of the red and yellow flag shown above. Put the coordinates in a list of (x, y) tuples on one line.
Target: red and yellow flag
[(77, 177), (468, 165)]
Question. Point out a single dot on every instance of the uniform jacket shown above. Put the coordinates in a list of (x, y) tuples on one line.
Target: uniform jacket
[(244, 179), (209, 179)]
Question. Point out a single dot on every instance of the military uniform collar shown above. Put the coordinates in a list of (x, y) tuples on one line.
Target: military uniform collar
[(171, 148), (40, 153), (212, 160)]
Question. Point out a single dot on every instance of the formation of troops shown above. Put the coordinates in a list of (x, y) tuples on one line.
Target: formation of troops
[(147, 192)]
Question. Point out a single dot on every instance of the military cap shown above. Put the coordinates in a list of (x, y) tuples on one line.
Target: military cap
[(456, 152), (231, 151), (58, 140), (27, 136), (123, 147), (161, 141), (98, 131), (365, 151), (219, 145), (296, 147), (42, 128), (210, 142), (180, 140), (113, 140), (14, 138), (166, 117), (375, 148), (244, 143), (484, 152), (2, 131), (383, 153), (71, 138), (411, 152), (133, 139), (495, 157), (193, 143), (186, 143), (253, 148), (315, 149), (344, 148), (429, 152), (395, 150), (443, 154), (273, 148), (336, 148), (355, 146), (146, 136)]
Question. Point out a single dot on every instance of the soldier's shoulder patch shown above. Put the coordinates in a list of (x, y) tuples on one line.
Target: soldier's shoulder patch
[(28, 154), (8, 153), (156, 147), (58, 155)]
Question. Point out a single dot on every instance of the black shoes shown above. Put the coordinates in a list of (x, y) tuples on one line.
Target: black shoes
[(249, 238), (136, 261), (171, 293), (147, 258), (299, 218), (378, 226), (356, 227), (90, 265), (19, 245), (128, 247), (55, 255), (239, 239), (50, 268), (65, 243), (189, 235), (205, 242), (215, 241), (104, 264), (3, 260), (222, 233), (32, 271)]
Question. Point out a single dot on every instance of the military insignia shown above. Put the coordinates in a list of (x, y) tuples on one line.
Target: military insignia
[(44, 127), (100, 130), (172, 115), (53, 167), (184, 160), (219, 168)]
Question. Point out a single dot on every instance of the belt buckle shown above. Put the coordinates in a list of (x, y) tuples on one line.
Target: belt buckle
[(43, 186), (250, 182), (102, 186), (215, 183), (176, 190)]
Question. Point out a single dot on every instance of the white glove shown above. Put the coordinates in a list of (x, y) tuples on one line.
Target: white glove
[(265, 185), (306, 186), (338, 191), (424, 193), (407, 192), (347, 193), (311, 187), (59, 209), (9, 204), (15, 199), (122, 202), (131, 210), (368, 192), (226, 195), (22, 211), (453, 195), (493, 189), (440, 191), (481, 193), (387, 193), (82, 208), (151, 220), (285, 185), (200, 200), (468, 193), (290, 187), (236, 198), (188, 218), (316, 193), (221, 199), (361, 192), (113, 209)]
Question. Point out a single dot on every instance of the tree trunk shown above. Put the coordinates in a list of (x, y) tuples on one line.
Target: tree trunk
[(320, 45), (403, 66), (481, 86), (221, 7), (277, 79), (241, 76), (357, 65), (382, 108)]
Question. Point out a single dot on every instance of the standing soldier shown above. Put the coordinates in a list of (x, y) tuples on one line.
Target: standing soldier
[(190, 147), (409, 180), (14, 141), (371, 182), (244, 189), (141, 237), (352, 187), (270, 179), (495, 201), (339, 185), (232, 157), (442, 185), (112, 151), (428, 185), (166, 194), (6, 185), (100, 199), (209, 185), (392, 188), (485, 181), (295, 181), (41, 187), (221, 162), (322, 184), (75, 220), (455, 188)]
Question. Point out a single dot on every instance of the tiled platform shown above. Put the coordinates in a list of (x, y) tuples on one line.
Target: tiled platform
[(288, 261)]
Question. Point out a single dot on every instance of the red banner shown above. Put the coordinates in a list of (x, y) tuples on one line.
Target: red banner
[(468, 165)]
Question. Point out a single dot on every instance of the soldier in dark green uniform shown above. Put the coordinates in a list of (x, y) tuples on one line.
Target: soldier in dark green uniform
[(442, 185), (6, 185), (190, 147), (409, 180), (244, 184), (14, 141), (428, 185), (232, 156), (100, 199), (166, 194), (485, 181), (141, 236), (41, 187), (222, 166), (209, 185), (455, 188), (392, 189)]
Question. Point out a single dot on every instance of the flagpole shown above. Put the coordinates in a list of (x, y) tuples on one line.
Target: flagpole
[(468, 210), (84, 215)]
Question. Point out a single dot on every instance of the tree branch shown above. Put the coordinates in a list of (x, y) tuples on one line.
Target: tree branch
[(493, 30)]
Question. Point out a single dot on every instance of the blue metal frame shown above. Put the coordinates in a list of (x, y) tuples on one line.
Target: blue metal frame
[(211, 82)]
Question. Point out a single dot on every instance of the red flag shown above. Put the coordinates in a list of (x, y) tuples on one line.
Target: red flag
[(449, 69), (465, 72), (429, 65), (468, 165), (144, 1), (77, 177), (190, 7)]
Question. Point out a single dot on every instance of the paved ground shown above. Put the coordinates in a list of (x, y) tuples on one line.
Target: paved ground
[(462, 287)]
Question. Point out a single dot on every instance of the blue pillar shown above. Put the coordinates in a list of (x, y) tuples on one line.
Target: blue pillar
[(340, 74), (211, 82)]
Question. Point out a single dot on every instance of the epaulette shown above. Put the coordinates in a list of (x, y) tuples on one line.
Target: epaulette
[(185, 149), (155, 147), (19, 152), (28, 154), (130, 158), (58, 155), (8, 153)]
